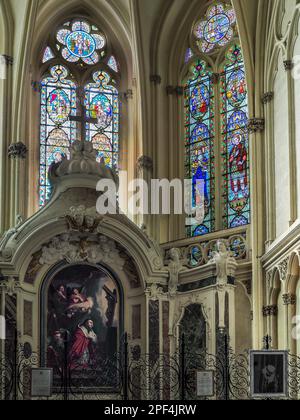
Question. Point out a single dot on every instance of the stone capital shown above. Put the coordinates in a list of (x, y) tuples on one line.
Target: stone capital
[(271, 310), (145, 163), (267, 97), (289, 299), (288, 65), (256, 125), (17, 151), (156, 79)]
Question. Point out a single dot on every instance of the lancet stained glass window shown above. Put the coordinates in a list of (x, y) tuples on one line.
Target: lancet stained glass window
[(79, 45), (199, 139), (102, 102), (216, 118), (58, 101), (235, 143)]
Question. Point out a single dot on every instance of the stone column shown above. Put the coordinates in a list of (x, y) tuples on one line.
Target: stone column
[(6, 63), (226, 267), (271, 313), (256, 138), (145, 172)]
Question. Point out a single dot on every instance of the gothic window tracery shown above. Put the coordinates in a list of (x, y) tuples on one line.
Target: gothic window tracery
[(79, 97), (216, 116)]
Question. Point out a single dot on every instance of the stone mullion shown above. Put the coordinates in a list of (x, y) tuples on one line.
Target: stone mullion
[(292, 144)]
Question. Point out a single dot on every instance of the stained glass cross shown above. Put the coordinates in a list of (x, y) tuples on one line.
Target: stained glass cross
[(82, 119)]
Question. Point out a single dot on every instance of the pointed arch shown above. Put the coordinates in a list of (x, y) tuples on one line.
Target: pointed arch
[(228, 121), (116, 28)]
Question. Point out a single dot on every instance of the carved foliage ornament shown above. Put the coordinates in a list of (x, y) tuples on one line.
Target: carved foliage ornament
[(145, 163), (17, 151), (283, 268), (288, 65), (289, 299), (10, 286), (271, 310), (267, 97), (154, 291), (83, 220), (256, 125), (72, 249)]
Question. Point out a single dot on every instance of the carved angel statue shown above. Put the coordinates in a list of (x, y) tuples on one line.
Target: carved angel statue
[(175, 267), (225, 262)]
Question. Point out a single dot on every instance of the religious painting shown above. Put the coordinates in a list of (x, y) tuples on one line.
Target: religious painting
[(83, 325), (269, 372)]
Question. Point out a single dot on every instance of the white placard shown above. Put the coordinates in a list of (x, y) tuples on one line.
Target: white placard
[(205, 384), (2, 328), (41, 382)]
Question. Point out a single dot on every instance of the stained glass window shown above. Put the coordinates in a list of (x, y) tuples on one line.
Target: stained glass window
[(58, 101), (216, 30), (64, 95), (113, 64), (217, 139), (235, 142), (81, 41), (48, 55), (102, 102), (199, 139)]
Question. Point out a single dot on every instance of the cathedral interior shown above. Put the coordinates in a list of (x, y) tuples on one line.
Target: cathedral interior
[(104, 104)]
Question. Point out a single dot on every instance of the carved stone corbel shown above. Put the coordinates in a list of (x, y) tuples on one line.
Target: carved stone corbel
[(17, 151), (288, 65), (256, 125), (10, 286), (289, 299), (267, 97), (156, 79), (283, 268), (271, 310), (145, 163)]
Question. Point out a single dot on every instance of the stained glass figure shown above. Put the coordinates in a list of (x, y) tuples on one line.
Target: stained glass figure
[(216, 30), (48, 55), (235, 144), (199, 133), (80, 42), (58, 101), (102, 102)]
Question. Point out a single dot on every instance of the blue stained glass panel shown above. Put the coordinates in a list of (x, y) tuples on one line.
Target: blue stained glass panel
[(199, 156)]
